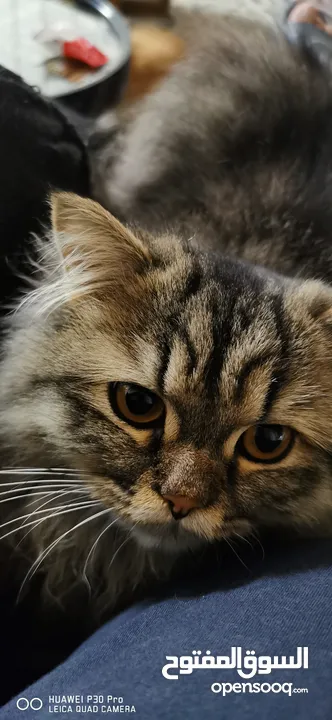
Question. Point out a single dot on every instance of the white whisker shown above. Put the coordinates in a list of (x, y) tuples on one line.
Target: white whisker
[(37, 491), (40, 482), (39, 507), (257, 539), (39, 471), (55, 492), (67, 505), (243, 538), (235, 553), (45, 553), (37, 523), (122, 545), (48, 517), (94, 547), (47, 502), (58, 495), (26, 495)]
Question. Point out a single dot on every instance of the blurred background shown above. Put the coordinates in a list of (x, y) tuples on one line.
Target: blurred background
[(41, 40)]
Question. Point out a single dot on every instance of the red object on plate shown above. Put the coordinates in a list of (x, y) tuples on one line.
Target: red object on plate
[(82, 50)]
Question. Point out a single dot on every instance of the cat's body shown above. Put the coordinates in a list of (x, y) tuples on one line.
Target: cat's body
[(225, 175), (233, 150)]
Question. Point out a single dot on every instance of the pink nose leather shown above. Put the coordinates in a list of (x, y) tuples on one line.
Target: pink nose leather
[(181, 503)]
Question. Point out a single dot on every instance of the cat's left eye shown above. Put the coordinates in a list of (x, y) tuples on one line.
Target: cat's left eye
[(137, 405), (266, 443)]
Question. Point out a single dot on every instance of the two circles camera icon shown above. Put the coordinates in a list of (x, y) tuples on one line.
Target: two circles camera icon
[(24, 703)]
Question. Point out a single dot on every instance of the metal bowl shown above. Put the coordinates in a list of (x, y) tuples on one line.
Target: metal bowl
[(28, 29), (94, 97)]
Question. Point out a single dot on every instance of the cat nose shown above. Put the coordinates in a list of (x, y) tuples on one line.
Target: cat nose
[(180, 505)]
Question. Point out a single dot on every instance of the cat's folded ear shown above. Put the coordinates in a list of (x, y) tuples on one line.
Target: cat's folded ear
[(314, 298), (90, 239)]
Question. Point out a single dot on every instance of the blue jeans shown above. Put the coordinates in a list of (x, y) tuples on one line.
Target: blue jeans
[(271, 606)]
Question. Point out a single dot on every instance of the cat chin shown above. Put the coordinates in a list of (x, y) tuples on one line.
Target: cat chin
[(167, 539), (174, 538)]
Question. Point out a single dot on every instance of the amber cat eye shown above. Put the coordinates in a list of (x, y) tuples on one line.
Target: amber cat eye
[(137, 405), (266, 443)]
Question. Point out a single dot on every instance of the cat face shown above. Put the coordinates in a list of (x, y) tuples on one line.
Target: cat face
[(192, 391)]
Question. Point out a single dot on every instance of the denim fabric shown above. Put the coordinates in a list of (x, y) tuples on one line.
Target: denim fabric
[(271, 606)]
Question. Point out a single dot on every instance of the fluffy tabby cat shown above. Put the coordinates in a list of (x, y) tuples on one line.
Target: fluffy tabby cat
[(176, 370)]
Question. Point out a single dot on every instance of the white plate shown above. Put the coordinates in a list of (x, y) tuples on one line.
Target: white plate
[(20, 51)]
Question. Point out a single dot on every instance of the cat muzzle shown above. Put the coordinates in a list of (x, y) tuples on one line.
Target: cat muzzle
[(180, 505)]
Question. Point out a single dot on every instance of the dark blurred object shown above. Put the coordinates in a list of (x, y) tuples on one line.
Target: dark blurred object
[(39, 150), (310, 27), (143, 8)]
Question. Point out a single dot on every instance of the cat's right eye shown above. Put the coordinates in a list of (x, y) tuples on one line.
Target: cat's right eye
[(137, 405), (266, 443)]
